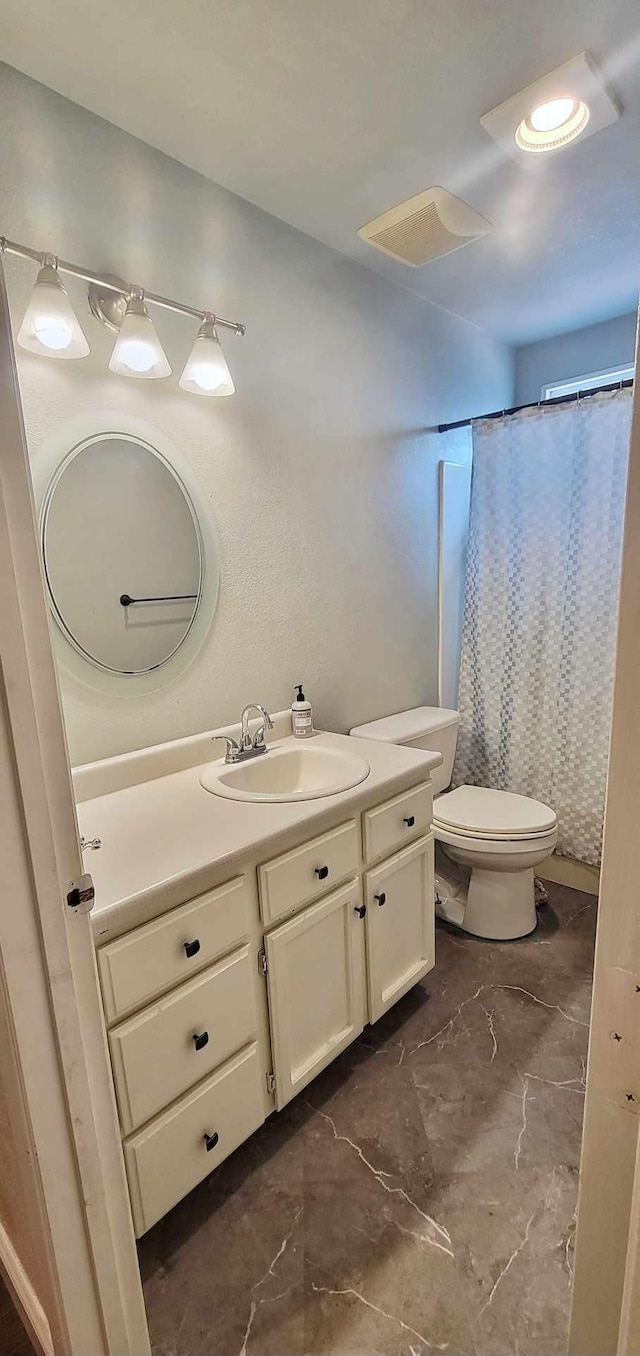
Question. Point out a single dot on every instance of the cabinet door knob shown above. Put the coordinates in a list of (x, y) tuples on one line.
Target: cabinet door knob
[(201, 1039), (410, 821), (192, 948), (381, 899), (322, 872), (360, 909), (210, 1140)]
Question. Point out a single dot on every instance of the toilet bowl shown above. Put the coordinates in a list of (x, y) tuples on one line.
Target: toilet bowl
[(488, 843)]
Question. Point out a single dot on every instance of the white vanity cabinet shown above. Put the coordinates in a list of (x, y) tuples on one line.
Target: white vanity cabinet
[(314, 969), (399, 896), (229, 1005)]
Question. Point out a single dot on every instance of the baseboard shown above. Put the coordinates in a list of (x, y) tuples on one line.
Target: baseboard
[(567, 871), (24, 1296)]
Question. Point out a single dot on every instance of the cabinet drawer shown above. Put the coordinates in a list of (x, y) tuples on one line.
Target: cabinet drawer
[(170, 1156), (156, 1056), (398, 821), (308, 871), (168, 950)]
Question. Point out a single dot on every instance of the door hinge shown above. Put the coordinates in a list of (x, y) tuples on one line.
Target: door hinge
[(82, 894), (262, 963), (271, 1082)]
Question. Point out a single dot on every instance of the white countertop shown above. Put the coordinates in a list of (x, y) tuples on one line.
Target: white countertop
[(167, 840)]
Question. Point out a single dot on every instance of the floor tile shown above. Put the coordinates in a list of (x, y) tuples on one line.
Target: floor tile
[(421, 1194)]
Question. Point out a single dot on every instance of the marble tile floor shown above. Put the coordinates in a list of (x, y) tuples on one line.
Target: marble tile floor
[(420, 1195)]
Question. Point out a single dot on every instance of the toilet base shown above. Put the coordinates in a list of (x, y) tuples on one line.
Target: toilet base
[(496, 905)]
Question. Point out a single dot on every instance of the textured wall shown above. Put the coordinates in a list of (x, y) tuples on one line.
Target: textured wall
[(320, 473), (609, 344)]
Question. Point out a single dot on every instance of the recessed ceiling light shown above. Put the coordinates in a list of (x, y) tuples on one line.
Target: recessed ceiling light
[(552, 125), (549, 116), (570, 102)]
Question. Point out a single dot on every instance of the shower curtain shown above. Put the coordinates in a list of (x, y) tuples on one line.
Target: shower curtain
[(541, 597)]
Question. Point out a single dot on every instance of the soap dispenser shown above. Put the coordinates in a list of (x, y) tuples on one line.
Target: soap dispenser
[(301, 715)]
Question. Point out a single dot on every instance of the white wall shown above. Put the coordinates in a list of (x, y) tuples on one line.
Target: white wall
[(321, 472), (608, 344)]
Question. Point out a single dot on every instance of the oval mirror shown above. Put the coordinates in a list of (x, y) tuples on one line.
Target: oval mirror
[(123, 554)]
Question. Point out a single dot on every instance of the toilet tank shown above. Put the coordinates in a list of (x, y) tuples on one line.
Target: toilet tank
[(426, 727)]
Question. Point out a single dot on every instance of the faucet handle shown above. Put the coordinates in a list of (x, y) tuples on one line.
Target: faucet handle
[(233, 748), (258, 741)]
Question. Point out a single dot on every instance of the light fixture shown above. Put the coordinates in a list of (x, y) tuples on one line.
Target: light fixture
[(552, 125), (206, 372), (137, 351), (50, 326), (572, 102)]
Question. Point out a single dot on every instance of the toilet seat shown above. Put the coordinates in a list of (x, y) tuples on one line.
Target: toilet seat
[(485, 816), (505, 847)]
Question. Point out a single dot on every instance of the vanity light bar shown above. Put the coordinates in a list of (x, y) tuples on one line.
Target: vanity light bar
[(87, 275), (134, 297)]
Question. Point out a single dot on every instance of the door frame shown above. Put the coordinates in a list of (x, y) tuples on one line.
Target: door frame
[(62, 1091), (50, 996), (605, 1315)]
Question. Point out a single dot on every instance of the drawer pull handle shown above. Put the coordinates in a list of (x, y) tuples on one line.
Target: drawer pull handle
[(322, 872), (410, 821), (360, 909), (201, 1039), (382, 898), (211, 1140), (192, 948)]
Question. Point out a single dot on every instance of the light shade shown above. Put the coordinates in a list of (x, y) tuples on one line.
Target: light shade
[(50, 326), (206, 372), (137, 351), (552, 125)]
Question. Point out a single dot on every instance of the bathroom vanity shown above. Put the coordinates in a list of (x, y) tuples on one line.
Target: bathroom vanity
[(241, 946)]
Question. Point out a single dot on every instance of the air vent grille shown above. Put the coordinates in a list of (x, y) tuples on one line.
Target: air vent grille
[(425, 227), (418, 238)]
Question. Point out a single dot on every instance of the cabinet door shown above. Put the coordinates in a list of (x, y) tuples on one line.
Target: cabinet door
[(314, 964), (400, 924)]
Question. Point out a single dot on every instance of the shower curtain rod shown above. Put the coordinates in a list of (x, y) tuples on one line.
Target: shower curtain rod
[(538, 404)]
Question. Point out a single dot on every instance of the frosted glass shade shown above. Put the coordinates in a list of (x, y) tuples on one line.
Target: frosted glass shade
[(206, 372), (50, 326), (137, 351)]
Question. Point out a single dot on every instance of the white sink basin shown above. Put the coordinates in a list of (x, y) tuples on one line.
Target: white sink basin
[(287, 773)]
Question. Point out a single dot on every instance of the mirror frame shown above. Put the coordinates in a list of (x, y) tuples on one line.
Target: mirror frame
[(49, 463)]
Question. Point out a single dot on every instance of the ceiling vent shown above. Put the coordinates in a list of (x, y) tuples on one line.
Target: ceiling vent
[(425, 227)]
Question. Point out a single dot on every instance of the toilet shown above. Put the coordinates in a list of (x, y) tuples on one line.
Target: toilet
[(488, 843)]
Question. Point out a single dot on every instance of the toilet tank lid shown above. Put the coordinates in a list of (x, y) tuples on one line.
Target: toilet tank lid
[(407, 725)]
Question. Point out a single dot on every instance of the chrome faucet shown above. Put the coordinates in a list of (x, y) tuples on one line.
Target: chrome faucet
[(250, 745)]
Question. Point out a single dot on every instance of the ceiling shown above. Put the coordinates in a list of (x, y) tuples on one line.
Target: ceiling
[(328, 112)]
